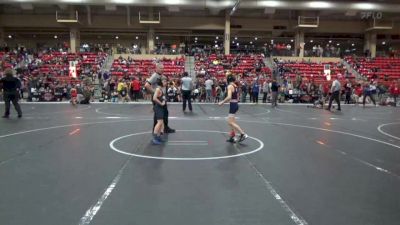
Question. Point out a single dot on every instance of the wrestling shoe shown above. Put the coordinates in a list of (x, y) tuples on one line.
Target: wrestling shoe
[(243, 137)]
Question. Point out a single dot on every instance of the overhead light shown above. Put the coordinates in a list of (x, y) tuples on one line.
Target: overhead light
[(319, 4), (195, 41), (251, 42), (9, 36), (365, 6), (195, 38), (216, 37), (135, 46), (272, 41), (338, 44), (235, 38), (352, 44), (237, 44), (291, 40), (71, 1), (157, 37), (55, 37), (123, 1), (116, 37), (174, 2), (270, 3), (216, 42), (233, 42), (255, 38), (312, 41), (330, 41), (216, 46), (383, 43), (137, 37)]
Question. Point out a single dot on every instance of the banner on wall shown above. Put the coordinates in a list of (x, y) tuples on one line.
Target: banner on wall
[(327, 71), (72, 69)]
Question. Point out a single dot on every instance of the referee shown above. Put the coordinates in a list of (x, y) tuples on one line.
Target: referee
[(150, 86), (187, 85), (10, 86)]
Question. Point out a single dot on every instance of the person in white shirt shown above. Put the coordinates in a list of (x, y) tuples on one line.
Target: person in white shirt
[(187, 85), (335, 94), (209, 83)]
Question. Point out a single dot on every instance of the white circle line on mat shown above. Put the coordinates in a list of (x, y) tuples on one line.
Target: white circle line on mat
[(179, 158), (385, 133), (181, 118)]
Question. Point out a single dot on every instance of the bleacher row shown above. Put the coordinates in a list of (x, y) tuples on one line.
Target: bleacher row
[(218, 66), (379, 68), (313, 71), (121, 67), (56, 64)]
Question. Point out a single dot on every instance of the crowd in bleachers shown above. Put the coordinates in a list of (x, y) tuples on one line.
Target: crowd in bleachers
[(45, 75), (386, 69), (308, 82)]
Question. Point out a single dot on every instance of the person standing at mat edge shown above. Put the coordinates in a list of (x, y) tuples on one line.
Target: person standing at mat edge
[(335, 94), (10, 86), (187, 85), (150, 86), (233, 99)]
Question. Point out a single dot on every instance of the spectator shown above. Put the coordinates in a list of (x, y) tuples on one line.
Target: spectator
[(135, 88), (394, 92), (368, 93), (274, 92), (187, 86), (256, 91), (244, 91), (266, 90), (208, 86)]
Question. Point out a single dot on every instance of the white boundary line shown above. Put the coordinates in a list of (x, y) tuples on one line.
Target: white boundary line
[(387, 134), (295, 218), (183, 159), (188, 119), (92, 211), (68, 125), (187, 144)]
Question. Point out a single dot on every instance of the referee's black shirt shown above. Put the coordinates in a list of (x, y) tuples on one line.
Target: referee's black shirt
[(10, 84)]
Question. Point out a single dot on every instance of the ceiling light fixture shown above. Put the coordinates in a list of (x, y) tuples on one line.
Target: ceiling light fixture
[(270, 3), (364, 6), (319, 5)]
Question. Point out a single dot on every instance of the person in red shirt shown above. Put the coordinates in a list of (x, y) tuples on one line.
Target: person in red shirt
[(358, 92), (135, 87), (394, 91), (74, 95)]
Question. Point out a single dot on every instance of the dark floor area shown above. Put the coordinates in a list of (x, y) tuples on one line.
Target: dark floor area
[(94, 164)]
